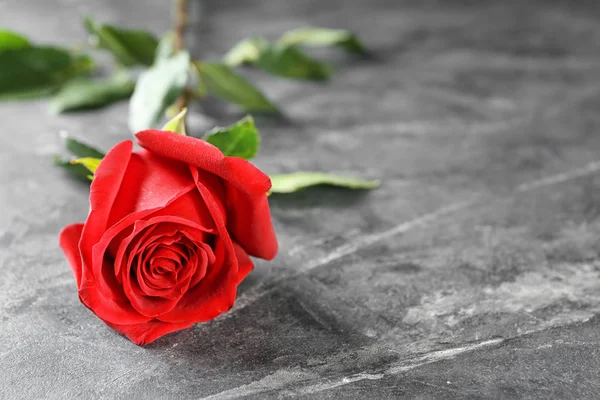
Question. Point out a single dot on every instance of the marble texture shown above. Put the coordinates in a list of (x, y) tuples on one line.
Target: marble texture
[(473, 272)]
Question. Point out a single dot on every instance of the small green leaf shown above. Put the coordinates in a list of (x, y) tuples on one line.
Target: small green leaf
[(172, 111), (323, 37), (223, 82), (11, 40), (177, 123), (30, 72), (85, 93), (88, 162), (291, 62), (157, 88), (289, 183), (239, 140), (77, 170), (129, 47), (245, 52), (79, 148)]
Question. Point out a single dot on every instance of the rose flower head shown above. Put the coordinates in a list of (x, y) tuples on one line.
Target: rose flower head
[(169, 234)]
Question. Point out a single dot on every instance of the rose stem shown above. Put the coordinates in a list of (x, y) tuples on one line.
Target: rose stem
[(180, 22)]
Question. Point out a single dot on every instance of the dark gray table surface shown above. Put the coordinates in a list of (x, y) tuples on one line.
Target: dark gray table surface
[(473, 272)]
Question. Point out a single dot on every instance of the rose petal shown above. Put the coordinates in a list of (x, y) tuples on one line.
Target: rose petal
[(248, 209), (146, 286), (162, 266), (190, 207), (69, 243), (151, 183), (103, 191), (135, 241), (164, 252), (245, 264), (132, 248), (108, 309), (148, 332), (161, 226), (250, 221), (148, 238), (192, 271), (205, 258), (150, 306)]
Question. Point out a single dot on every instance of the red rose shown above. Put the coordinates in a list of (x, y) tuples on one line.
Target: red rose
[(167, 239)]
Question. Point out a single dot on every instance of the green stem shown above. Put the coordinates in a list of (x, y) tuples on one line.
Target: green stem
[(181, 19), (180, 22)]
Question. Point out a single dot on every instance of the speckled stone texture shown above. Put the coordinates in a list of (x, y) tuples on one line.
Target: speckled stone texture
[(473, 272)]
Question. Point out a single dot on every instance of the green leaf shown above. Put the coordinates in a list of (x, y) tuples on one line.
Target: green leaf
[(289, 183), (156, 89), (323, 37), (245, 52), (239, 140), (223, 82), (30, 72), (85, 93), (129, 47), (11, 40), (77, 170), (79, 148), (291, 62), (177, 123), (88, 162)]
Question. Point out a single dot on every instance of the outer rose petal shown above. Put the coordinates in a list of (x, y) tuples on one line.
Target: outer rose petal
[(245, 264), (150, 182), (148, 332), (103, 191), (69, 243), (250, 219)]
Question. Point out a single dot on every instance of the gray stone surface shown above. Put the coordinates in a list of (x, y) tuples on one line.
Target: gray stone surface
[(473, 272)]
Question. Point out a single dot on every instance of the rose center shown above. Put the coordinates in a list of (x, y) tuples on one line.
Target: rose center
[(167, 265)]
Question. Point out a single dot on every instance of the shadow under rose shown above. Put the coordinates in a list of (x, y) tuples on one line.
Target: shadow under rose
[(282, 329)]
